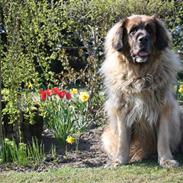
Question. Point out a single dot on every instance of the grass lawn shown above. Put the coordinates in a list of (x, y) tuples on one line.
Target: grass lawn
[(146, 171)]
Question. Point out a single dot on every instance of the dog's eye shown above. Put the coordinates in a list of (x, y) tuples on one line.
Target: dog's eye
[(133, 30), (149, 29)]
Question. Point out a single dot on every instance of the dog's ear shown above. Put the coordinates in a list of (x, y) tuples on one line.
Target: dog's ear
[(163, 37), (115, 37), (117, 41)]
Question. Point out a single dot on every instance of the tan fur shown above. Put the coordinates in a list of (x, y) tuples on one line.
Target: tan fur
[(142, 120)]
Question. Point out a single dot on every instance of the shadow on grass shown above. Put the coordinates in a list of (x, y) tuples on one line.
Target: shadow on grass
[(153, 162)]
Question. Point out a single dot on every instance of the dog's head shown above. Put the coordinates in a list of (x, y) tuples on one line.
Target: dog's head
[(138, 36)]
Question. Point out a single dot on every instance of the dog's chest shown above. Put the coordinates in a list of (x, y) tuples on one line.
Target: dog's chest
[(144, 108)]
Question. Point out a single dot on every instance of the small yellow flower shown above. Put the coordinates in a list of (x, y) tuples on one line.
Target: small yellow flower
[(29, 85), (84, 96), (181, 86), (74, 91), (70, 140), (180, 89)]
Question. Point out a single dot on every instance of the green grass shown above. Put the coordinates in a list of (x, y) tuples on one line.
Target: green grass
[(139, 172)]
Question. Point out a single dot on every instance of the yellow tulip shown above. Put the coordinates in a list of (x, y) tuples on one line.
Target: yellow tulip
[(74, 91), (84, 96)]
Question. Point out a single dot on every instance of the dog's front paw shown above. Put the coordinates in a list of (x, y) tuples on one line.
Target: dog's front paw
[(168, 163), (112, 165), (116, 163)]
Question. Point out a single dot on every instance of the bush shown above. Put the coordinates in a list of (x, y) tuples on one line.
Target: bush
[(65, 37), (175, 24)]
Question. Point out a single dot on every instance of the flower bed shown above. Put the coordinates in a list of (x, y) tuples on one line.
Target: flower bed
[(65, 112)]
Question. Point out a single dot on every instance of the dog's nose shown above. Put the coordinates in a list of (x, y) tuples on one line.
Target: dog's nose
[(143, 39)]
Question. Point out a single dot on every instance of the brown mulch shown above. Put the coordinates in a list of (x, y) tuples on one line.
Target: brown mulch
[(88, 154)]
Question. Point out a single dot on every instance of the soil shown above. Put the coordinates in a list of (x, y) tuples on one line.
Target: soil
[(88, 153)]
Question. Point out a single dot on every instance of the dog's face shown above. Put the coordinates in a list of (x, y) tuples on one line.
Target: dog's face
[(139, 36)]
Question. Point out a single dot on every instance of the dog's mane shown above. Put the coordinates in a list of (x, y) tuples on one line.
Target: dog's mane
[(120, 81)]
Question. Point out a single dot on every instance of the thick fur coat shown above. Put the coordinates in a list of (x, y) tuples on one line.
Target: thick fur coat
[(142, 111)]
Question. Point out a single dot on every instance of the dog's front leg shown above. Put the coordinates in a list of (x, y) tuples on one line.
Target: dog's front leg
[(164, 153), (122, 155)]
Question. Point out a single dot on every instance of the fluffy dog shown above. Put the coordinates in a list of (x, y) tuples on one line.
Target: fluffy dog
[(139, 74)]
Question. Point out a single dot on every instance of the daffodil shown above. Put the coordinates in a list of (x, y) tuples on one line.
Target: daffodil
[(74, 91), (180, 89), (181, 86), (70, 140), (84, 96)]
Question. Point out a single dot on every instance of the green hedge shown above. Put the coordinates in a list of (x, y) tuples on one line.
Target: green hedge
[(66, 36)]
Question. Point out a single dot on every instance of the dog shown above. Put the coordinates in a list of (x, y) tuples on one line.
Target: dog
[(139, 74)]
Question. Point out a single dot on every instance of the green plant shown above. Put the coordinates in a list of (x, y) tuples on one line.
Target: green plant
[(53, 152), (21, 153), (35, 151), (8, 151), (175, 23), (11, 152), (25, 58), (65, 113)]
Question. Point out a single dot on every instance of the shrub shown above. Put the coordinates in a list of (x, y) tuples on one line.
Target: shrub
[(65, 37), (175, 23)]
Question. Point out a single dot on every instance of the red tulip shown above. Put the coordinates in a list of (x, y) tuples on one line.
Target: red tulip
[(55, 91), (49, 92), (61, 94), (40, 91), (43, 95), (68, 96)]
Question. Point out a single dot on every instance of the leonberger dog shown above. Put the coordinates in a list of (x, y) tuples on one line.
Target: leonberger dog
[(139, 76)]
